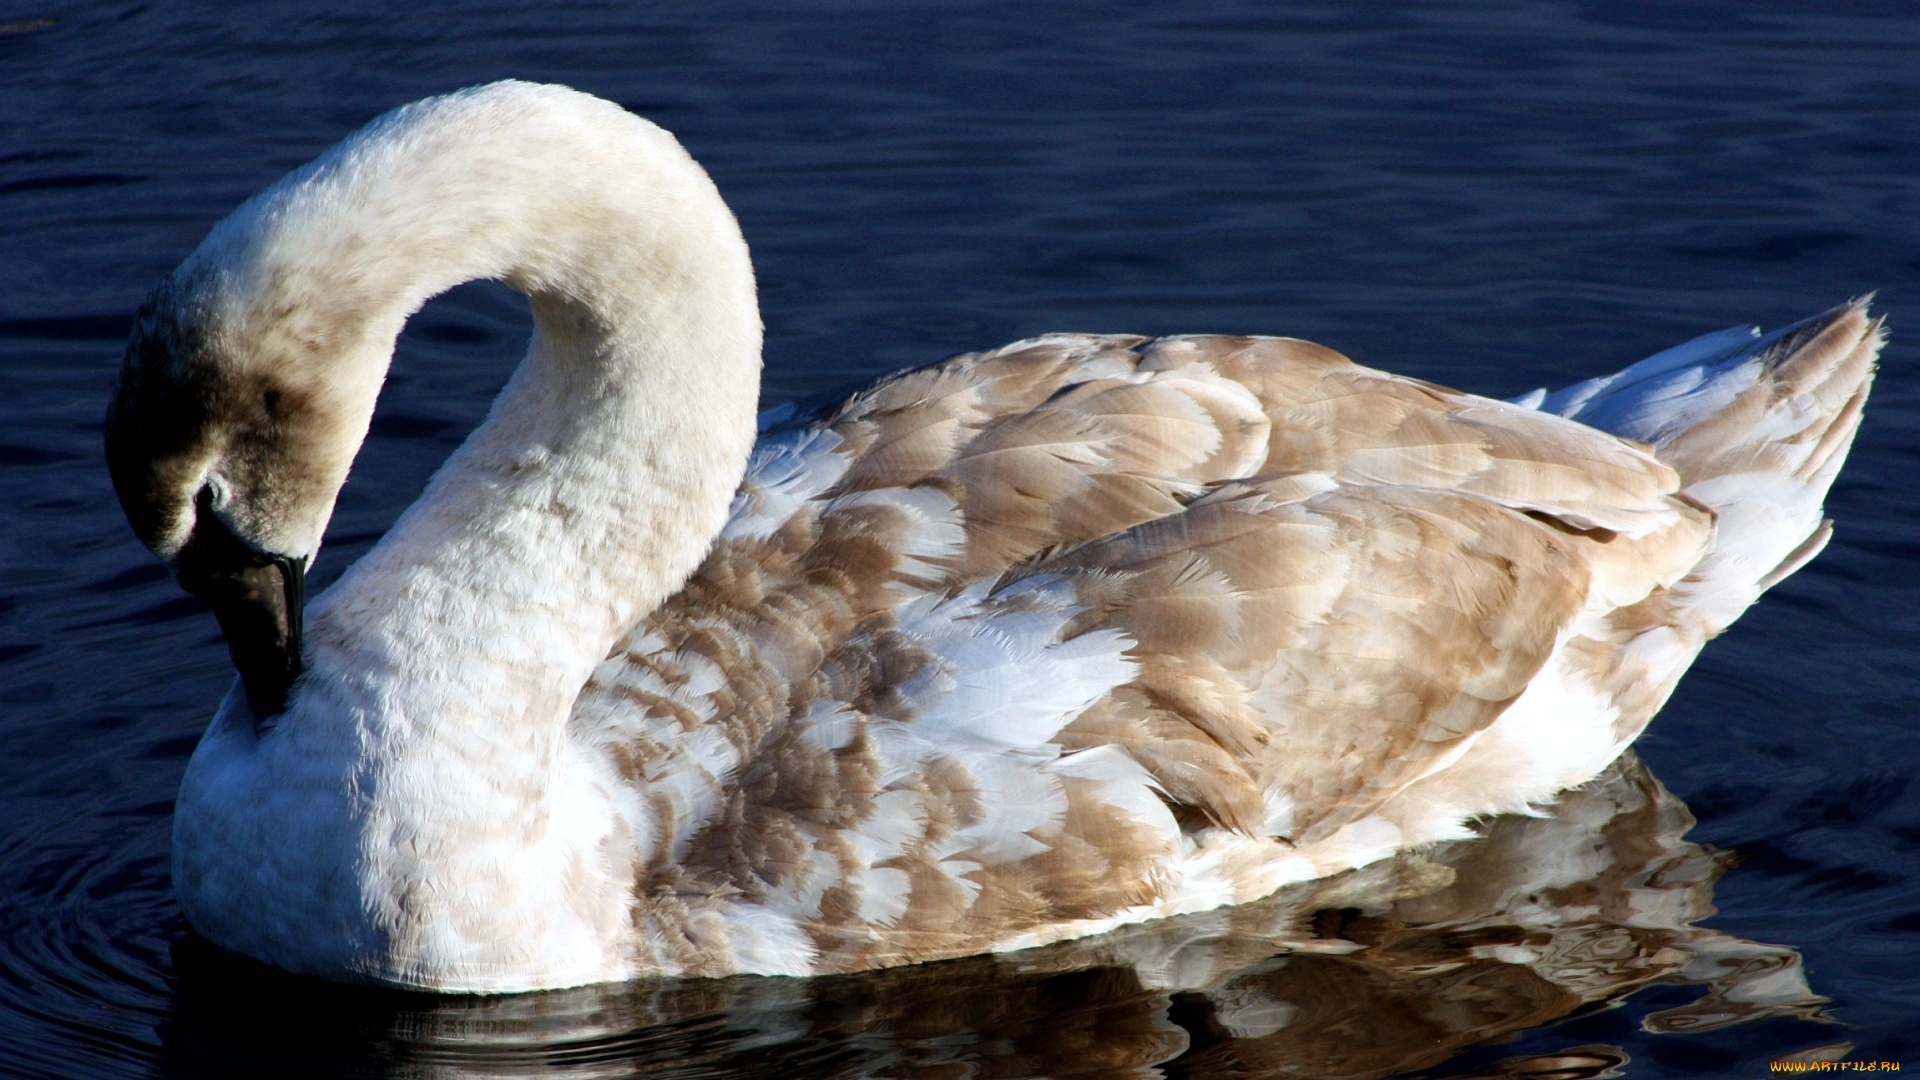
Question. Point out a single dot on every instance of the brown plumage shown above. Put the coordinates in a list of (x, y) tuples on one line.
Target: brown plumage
[(1326, 584)]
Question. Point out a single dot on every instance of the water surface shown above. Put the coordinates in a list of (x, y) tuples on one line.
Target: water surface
[(1494, 196)]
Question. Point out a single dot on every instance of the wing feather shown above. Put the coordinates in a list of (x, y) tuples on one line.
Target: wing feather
[(1372, 627), (1008, 638)]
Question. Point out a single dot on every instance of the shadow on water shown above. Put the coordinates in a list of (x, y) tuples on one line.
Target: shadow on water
[(1399, 967)]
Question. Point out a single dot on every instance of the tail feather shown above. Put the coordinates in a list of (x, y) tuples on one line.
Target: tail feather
[(1757, 427)]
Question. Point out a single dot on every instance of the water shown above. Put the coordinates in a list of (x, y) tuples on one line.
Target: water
[(1494, 196)]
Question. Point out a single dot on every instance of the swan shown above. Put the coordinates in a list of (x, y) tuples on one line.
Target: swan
[(1023, 646)]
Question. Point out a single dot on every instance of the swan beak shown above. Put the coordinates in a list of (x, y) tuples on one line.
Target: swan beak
[(260, 600), (259, 608)]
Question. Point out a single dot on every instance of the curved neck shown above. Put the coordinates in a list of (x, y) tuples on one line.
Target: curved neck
[(594, 486)]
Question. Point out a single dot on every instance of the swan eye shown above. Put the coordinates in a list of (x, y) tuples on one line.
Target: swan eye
[(214, 494)]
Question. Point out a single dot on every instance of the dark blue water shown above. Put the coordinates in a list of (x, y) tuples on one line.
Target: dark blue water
[(1494, 196)]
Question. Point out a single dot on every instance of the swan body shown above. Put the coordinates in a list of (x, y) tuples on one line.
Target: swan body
[(1022, 646)]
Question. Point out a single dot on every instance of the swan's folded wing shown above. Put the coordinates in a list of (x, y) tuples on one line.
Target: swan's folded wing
[(1308, 649), (942, 477), (987, 646)]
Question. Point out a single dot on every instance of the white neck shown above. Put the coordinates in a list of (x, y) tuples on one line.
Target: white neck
[(604, 469), (444, 664)]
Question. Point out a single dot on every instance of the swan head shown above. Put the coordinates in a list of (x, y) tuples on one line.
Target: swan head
[(251, 375), (217, 451)]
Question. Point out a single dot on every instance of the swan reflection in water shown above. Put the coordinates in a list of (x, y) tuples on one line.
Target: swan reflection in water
[(1395, 967)]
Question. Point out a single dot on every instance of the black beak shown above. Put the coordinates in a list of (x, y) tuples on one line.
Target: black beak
[(260, 600)]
